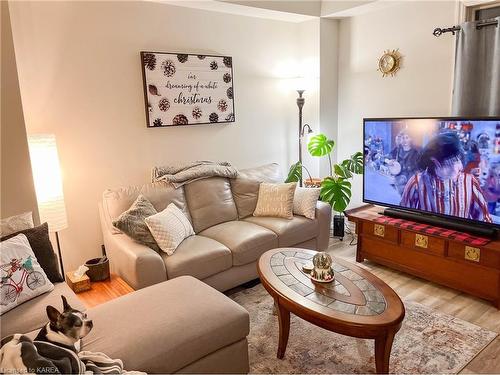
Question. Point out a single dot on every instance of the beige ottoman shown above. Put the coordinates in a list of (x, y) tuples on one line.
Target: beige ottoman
[(180, 325)]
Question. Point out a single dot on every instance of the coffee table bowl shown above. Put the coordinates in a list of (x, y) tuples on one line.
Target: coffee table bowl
[(356, 303)]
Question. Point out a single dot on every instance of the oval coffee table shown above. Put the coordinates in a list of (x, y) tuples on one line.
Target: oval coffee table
[(356, 303)]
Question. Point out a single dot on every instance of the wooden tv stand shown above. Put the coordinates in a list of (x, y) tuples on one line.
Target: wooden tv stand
[(474, 270)]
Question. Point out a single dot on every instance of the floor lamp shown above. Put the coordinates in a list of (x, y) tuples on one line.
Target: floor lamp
[(48, 185), (302, 128)]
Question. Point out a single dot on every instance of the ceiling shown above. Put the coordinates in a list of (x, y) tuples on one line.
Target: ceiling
[(287, 10)]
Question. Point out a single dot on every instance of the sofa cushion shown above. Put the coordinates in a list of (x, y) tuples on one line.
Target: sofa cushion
[(199, 257), (167, 326), (264, 173), (245, 194), (275, 200), (247, 241), (160, 194), (290, 232), (31, 315), (210, 202), (245, 187)]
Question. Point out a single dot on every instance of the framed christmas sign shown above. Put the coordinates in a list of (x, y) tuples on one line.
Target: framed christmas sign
[(187, 89)]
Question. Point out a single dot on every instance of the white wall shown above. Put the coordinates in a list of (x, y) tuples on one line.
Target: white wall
[(80, 78), (17, 191), (422, 87)]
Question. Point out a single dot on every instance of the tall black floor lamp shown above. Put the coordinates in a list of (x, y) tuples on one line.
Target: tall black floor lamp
[(302, 129)]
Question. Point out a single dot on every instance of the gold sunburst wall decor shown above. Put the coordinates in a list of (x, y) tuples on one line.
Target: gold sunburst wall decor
[(390, 62)]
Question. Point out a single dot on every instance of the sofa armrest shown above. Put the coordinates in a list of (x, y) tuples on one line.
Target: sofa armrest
[(137, 264), (324, 216)]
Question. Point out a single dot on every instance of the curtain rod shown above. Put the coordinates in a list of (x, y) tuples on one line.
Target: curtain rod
[(438, 31)]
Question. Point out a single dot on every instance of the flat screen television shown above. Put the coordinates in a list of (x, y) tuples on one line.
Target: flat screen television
[(445, 167)]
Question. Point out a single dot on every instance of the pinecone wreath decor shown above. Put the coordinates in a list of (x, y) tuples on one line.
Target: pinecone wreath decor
[(229, 92), (182, 58), (180, 120), (230, 117), (150, 61), (227, 61), (213, 65), (164, 104), (226, 78), (197, 113), (201, 57), (214, 117), (168, 67), (158, 122), (222, 106)]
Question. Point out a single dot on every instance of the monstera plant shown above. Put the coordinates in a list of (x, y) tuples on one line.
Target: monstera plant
[(336, 188)]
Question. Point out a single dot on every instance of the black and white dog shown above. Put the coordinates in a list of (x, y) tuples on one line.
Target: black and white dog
[(65, 329)]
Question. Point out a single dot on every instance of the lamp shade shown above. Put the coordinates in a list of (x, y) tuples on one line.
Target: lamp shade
[(48, 181)]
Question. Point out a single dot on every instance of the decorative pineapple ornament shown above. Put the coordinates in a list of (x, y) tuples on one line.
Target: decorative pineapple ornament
[(197, 113), (180, 120), (168, 67), (214, 117), (158, 122), (226, 77), (150, 61), (164, 104), (229, 92), (222, 106), (228, 61), (213, 65), (182, 58)]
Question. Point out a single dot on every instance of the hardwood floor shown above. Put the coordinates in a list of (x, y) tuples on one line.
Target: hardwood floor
[(440, 298)]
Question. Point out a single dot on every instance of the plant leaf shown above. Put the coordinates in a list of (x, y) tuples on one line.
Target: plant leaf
[(295, 173), (337, 192), (341, 171), (153, 90), (355, 163), (320, 145)]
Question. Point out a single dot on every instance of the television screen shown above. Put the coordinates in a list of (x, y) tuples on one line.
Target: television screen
[(447, 166)]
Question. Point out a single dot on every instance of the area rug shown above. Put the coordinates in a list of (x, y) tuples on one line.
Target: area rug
[(428, 342)]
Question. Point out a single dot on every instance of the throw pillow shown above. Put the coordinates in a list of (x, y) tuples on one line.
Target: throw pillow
[(39, 240), (22, 276), (275, 200), (304, 201), (16, 223), (169, 228), (131, 222), (245, 194)]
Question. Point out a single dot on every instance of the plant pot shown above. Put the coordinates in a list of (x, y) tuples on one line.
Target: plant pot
[(98, 269)]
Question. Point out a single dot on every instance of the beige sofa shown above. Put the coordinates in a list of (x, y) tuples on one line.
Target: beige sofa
[(181, 325), (228, 240)]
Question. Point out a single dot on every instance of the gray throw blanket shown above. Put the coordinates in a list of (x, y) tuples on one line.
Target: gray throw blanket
[(184, 173), (20, 355)]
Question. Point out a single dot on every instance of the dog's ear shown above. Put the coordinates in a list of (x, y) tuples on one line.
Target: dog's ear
[(66, 305), (53, 314)]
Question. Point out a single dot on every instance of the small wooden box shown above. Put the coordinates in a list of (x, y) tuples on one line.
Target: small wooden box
[(77, 284)]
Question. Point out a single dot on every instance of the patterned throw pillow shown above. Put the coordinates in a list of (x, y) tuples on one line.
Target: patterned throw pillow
[(22, 276), (39, 240), (169, 228), (275, 200), (131, 222), (304, 201), (16, 223)]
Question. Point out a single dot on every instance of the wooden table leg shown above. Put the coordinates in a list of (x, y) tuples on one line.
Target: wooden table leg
[(284, 323), (383, 346)]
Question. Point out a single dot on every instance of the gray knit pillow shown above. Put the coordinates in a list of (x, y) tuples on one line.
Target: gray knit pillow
[(131, 222)]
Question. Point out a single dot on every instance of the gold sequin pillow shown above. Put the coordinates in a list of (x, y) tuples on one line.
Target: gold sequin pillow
[(275, 200)]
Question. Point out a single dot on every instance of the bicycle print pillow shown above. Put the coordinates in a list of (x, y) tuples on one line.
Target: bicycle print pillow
[(22, 278)]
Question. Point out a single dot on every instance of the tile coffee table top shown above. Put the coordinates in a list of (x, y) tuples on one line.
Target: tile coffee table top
[(349, 293)]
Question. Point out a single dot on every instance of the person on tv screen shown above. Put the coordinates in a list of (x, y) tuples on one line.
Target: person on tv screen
[(442, 186), (403, 160)]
